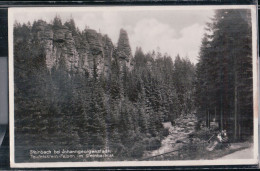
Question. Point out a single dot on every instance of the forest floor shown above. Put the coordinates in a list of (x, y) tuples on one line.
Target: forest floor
[(235, 151), (241, 154), (177, 145)]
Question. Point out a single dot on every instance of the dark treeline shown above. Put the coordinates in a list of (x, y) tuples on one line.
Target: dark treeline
[(224, 74), (122, 110), (118, 101)]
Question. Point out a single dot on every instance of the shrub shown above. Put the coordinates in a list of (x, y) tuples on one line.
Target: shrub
[(137, 150), (154, 143), (203, 134), (119, 151), (165, 132)]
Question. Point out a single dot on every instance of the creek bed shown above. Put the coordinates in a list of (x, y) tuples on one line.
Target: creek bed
[(178, 136)]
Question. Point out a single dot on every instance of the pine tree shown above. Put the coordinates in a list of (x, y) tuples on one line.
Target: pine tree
[(220, 71)]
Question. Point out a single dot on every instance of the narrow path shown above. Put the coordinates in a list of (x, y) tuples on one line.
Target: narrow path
[(247, 153)]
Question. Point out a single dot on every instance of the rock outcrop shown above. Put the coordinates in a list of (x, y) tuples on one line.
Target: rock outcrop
[(59, 46), (79, 52), (124, 52), (100, 52)]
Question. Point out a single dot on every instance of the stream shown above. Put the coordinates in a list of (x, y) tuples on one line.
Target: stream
[(178, 135)]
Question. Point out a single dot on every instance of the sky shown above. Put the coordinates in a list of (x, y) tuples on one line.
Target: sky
[(168, 30)]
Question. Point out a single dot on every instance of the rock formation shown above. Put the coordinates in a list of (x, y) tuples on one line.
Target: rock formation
[(124, 50), (79, 52), (58, 44), (100, 52)]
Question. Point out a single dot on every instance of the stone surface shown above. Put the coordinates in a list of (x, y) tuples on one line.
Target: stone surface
[(124, 50), (80, 52)]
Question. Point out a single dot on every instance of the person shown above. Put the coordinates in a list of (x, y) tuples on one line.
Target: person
[(219, 140), (223, 138)]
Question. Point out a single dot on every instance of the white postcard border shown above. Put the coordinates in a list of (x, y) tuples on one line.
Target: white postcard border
[(13, 164)]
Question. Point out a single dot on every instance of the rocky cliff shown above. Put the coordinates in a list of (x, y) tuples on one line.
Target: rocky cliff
[(78, 52), (124, 50)]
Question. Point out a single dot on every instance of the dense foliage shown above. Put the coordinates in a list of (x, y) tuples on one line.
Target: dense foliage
[(119, 101), (224, 74), (122, 111)]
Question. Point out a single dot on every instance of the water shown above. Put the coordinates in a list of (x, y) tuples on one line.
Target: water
[(178, 135)]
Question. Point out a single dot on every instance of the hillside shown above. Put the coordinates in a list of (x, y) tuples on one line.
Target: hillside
[(78, 90)]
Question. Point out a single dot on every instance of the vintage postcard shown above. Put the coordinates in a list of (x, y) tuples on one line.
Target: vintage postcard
[(133, 86)]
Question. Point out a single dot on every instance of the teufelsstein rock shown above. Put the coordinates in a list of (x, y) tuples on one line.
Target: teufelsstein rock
[(124, 50), (74, 51)]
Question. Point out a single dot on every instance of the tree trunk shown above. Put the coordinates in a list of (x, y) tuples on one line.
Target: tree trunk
[(235, 108), (221, 113), (215, 117), (207, 118), (235, 100)]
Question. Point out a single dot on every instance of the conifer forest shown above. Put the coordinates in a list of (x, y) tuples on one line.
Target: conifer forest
[(75, 89)]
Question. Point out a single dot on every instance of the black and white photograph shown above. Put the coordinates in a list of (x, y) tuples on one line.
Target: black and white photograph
[(133, 86)]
